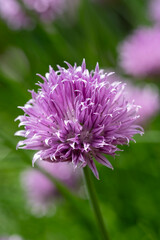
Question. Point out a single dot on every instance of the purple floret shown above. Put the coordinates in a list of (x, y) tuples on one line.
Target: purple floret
[(77, 116)]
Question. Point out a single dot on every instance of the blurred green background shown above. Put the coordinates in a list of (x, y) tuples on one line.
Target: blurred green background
[(130, 195)]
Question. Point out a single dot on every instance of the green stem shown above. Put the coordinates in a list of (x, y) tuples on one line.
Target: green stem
[(94, 203)]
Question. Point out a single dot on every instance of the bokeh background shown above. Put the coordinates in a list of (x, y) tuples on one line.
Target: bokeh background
[(36, 34)]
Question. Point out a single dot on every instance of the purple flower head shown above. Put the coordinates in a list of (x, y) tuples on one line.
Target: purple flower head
[(154, 10), (140, 52), (17, 17), (13, 14), (77, 116), (40, 190), (148, 98), (46, 9)]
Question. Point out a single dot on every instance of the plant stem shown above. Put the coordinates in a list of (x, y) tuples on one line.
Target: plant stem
[(94, 203)]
